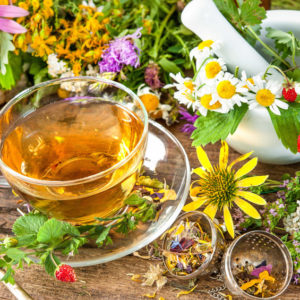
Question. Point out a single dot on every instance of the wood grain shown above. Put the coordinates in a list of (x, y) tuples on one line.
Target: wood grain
[(110, 281)]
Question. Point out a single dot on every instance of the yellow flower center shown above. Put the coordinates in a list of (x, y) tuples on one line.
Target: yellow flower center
[(265, 98), (225, 89), (151, 101), (212, 69), (205, 44), (251, 81), (189, 84), (205, 100)]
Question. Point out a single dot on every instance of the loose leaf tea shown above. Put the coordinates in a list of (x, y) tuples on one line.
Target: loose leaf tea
[(188, 246), (256, 280)]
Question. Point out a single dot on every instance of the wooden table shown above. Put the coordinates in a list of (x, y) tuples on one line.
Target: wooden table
[(109, 281)]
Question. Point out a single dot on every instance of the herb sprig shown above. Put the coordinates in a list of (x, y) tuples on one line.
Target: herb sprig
[(38, 239)]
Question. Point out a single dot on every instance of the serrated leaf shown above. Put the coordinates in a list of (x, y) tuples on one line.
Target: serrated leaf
[(51, 231), (5, 47), (50, 267), (287, 125), (28, 225), (217, 126), (278, 35), (251, 13)]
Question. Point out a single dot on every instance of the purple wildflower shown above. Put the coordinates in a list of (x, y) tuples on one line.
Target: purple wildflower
[(190, 119), (281, 205), (295, 278), (273, 212), (121, 52), (152, 76)]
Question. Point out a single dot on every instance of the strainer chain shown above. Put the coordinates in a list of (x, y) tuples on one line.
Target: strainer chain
[(215, 292)]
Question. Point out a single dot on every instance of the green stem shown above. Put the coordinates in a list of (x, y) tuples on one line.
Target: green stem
[(272, 51), (276, 68), (184, 46), (205, 60), (294, 51), (160, 31), (53, 260)]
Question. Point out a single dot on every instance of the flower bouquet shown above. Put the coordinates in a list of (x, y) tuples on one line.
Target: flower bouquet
[(255, 105)]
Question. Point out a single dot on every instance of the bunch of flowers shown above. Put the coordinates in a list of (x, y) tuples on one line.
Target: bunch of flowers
[(220, 99), (133, 42)]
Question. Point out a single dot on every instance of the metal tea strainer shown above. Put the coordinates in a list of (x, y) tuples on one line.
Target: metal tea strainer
[(212, 263), (253, 248)]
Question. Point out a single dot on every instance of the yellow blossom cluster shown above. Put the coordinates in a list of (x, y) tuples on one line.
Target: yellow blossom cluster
[(78, 40)]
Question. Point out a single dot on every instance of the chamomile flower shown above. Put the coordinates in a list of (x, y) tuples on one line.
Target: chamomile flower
[(149, 97), (297, 87), (204, 50), (186, 93), (228, 91), (266, 94), (204, 97), (212, 69)]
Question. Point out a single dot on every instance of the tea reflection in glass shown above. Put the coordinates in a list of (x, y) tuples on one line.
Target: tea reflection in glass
[(66, 145)]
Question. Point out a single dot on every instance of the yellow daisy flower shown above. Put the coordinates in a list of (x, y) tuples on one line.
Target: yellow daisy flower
[(220, 187)]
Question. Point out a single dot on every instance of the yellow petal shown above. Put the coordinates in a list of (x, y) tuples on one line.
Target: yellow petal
[(241, 158), (203, 159), (247, 208), (228, 221), (249, 284), (199, 171), (246, 168), (150, 295), (194, 192), (185, 292), (223, 159), (265, 276), (179, 229), (211, 210), (252, 197), (194, 205), (252, 181)]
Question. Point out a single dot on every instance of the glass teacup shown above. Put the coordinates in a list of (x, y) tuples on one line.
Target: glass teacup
[(73, 147)]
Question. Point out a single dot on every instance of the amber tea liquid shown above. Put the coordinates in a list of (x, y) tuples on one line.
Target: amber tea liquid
[(67, 141)]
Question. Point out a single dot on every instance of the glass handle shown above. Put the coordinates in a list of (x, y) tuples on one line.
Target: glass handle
[(3, 183)]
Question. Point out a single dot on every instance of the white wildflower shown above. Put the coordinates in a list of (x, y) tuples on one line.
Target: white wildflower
[(56, 66)]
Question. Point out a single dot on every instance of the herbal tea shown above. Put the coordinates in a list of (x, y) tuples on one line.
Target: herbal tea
[(66, 141)]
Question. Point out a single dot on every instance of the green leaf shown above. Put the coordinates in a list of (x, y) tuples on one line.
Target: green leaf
[(169, 66), (15, 254), (50, 267), (251, 13), (28, 225), (134, 200), (7, 80), (5, 46), (287, 125), (8, 277), (279, 36), (103, 235), (51, 231), (217, 126), (295, 75)]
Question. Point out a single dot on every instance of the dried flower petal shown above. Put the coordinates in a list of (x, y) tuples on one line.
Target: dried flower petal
[(186, 292), (256, 272)]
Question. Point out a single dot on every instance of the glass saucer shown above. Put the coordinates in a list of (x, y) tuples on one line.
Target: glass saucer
[(165, 159)]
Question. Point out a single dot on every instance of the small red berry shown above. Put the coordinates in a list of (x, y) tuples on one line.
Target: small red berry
[(289, 94), (65, 273), (298, 143)]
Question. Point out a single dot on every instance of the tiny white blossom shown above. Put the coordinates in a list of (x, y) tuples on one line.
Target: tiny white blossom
[(56, 66)]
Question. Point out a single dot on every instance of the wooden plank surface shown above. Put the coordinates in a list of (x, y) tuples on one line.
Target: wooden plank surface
[(109, 281)]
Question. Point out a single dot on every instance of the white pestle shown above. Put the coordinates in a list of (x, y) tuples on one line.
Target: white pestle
[(205, 20)]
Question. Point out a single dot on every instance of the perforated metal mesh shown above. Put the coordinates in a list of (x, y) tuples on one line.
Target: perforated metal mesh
[(252, 249)]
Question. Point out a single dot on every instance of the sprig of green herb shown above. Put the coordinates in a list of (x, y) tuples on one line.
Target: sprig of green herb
[(37, 239)]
